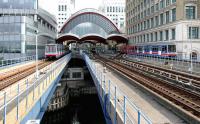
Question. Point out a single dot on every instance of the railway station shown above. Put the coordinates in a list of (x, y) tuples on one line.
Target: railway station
[(91, 56)]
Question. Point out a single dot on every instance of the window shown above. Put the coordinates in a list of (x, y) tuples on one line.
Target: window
[(145, 25), (174, 14), (161, 19), (147, 37), (144, 38), (166, 35), (151, 37), (167, 17), (152, 23), (193, 32), (152, 9), (157, 7), (156, 20), (59, 8), (173, 1), (156, 36), (76, 75), (161, 35), (161, 4), (173, 34), (148, 12), (148, 24), (167, 2), (190, 12)]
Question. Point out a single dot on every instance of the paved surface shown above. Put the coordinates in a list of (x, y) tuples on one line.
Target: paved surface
[(157, 113)]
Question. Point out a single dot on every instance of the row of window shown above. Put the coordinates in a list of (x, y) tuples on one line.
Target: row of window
[(156, 48), (18, 4), (62, 8), (142, 7), (161, 19), (155, 36), (115, 9), (13, 46), (193, 33)]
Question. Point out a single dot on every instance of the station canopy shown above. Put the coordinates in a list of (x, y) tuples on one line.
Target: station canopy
[(89, 25)]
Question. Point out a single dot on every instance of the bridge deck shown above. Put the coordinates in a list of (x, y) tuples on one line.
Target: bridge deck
[(22, 96), (155, 111)]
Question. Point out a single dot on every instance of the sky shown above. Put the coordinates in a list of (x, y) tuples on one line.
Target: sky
[(50, 5)]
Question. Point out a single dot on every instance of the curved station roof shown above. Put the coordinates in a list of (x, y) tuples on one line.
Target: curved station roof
[(89, 25)]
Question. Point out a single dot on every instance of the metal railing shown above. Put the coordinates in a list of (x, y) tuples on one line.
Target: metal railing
[(15, 103), (111, 94), (10, 62), (170, 63)]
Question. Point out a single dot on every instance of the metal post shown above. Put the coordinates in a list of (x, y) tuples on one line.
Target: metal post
[(43, 85), (1, 63), (124, 109), (115, 114), (38, 85), (109, 96), (18, 101), (104, 86), (26, 94), (138, 116), (5, 106), (36, 46), (33, 91)]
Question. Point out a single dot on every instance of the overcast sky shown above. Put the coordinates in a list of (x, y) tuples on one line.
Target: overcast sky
[(50, 5)]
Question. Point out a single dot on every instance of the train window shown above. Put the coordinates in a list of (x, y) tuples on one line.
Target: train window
[(164, 49), (155, 49), (51, 48), (172, 48)]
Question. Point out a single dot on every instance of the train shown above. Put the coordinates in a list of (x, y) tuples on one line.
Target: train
[(54, 51), (157, 50)]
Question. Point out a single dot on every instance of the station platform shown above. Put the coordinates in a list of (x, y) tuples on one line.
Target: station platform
[(157, 113)]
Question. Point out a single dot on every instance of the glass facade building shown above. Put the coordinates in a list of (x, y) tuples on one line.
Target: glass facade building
[(18, 4), (19, 20)]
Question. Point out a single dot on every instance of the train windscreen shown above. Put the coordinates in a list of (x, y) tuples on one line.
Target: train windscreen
[(51, 48)]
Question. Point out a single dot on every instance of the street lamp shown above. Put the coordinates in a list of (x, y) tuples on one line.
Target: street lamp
[(191, 64), (36, 49)]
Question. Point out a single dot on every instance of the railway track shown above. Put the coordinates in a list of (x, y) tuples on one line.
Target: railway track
[(185, 77), (188, 101), (18, 74)]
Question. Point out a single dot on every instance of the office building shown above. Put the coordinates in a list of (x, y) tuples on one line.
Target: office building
[(114, 10), (19, 21), (65, 9), (165, 26)]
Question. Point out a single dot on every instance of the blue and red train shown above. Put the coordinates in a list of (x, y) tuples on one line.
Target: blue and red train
[(159, 50)]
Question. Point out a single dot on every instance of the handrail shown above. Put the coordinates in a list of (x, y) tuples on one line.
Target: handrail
[(124, 102), (31, 86), (9, 62)]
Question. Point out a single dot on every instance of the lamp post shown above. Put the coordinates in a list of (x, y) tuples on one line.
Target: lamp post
[(36, 47), (191, 64)]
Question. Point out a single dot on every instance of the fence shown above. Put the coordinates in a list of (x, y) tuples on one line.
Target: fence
[(111, 94), (14, 107), (167, 62), (9, 62)]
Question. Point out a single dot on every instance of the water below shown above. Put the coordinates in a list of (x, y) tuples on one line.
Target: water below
[(81, 110)]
